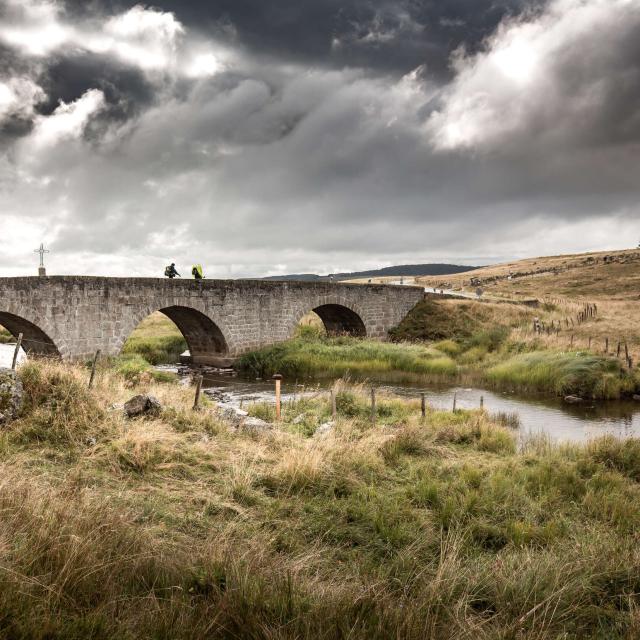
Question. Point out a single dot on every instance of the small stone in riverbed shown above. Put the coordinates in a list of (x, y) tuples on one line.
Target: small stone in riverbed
[(573, 399), (636, 397), (142, 405)]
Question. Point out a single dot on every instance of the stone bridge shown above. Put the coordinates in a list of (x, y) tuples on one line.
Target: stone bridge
[(73, 316)]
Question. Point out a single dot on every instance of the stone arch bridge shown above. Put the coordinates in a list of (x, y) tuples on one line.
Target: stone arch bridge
[(73, 316)]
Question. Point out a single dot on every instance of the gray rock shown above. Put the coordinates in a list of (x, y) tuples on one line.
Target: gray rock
[(232, 414), (324, 429), (573, 399), (255, 424), (636, 397), (11, 395), (299, 419), (142, 405)]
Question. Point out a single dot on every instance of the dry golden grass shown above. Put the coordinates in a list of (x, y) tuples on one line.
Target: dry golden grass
[(178, 526), (577, 274)]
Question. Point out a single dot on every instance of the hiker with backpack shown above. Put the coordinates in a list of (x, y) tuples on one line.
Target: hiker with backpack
[(171, 272)]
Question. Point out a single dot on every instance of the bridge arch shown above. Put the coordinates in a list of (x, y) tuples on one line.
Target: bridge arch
[(338, 319), (338, 316), (206, 340), (36, 338)]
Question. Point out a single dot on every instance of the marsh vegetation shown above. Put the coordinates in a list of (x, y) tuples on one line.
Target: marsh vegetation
[(178, 526)]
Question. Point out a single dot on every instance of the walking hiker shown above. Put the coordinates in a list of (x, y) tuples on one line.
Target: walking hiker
[(171, 272), (196, 271)]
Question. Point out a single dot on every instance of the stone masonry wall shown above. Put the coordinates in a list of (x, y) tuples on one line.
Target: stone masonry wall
[(73, 316)]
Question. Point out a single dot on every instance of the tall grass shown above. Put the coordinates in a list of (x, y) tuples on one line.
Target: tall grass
[(306, 357), (177, 526), (562, 373)]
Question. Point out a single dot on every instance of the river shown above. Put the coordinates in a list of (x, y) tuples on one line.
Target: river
[(538, 415)]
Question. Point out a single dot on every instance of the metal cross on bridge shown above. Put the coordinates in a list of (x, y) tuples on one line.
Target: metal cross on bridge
[(41, 270), (42, 251)]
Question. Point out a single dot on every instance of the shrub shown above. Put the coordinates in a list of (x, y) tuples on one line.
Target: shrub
[(448, 347), (58, 407)]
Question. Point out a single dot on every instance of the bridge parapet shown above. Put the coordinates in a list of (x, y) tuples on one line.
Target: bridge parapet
[(73, 316)]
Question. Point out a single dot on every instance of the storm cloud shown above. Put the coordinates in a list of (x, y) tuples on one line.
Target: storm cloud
[(262, 138)]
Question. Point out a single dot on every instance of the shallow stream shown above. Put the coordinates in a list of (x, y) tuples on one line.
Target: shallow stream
[(561, 421)]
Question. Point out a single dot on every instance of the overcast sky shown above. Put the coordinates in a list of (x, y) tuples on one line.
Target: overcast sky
[(261, 137)]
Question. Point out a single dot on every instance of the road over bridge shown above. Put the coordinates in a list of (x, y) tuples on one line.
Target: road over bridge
[(73, 316)]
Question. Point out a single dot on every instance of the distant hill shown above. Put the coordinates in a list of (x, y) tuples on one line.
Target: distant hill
[(400, 270)]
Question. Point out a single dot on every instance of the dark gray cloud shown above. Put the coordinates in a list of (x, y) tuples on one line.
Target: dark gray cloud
[(262, 137), (390, 35)]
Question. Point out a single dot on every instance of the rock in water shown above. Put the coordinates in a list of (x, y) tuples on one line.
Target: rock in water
[(573, 399), (142, 405), (10, 395)]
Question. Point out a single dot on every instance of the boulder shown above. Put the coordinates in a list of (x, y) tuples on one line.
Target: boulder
[(573, 399), (142, 405), (10, 395), (255, 425), (324, 429), (232, 414)]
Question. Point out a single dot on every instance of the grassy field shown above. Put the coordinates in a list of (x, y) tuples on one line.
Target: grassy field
[(180, 527), (157, 340)]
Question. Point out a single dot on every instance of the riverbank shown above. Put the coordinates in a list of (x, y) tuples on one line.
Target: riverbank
[(181, 526), (465, 343), (485, 358)]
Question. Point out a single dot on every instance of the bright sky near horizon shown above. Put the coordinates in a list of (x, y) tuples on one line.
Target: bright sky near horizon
[(315, 135)]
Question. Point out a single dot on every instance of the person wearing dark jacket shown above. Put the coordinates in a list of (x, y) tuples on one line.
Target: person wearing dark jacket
[(171, 271)]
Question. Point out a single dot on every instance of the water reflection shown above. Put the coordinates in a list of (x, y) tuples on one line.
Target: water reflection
[(562, 422), (6, 354)]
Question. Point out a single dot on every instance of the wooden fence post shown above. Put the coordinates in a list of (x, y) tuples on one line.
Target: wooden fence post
[(278, 378), (423, 404), (93, 368), (455, 401), (196, 401), (373, 406), (16, 351)]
